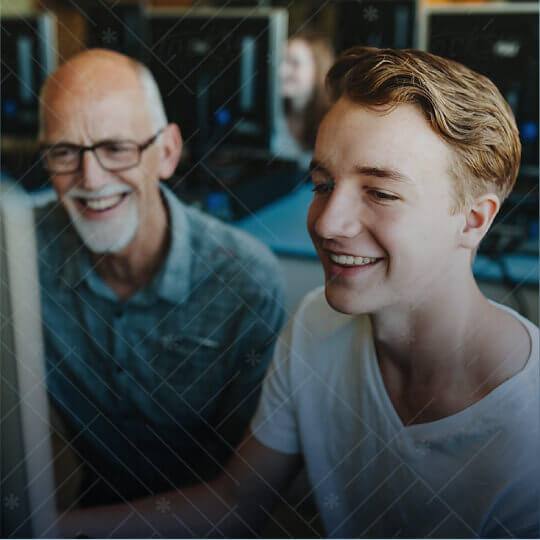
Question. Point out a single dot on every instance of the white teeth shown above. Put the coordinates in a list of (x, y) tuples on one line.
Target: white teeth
[(102, 204), (348, 259)]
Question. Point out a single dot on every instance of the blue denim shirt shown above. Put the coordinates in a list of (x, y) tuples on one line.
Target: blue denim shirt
[(157, 389)]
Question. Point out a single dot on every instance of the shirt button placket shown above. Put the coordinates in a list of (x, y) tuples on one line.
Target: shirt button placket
[(120, 356)]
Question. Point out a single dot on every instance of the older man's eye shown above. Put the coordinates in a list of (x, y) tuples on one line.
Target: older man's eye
[(323, 188), (117, 148), (59, 152)]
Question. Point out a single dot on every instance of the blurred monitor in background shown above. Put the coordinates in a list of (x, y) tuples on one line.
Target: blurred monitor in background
[(29, 50), (119, 26), (306, 61), (376, 23), (217, 70), (26, 472), (500, 41)]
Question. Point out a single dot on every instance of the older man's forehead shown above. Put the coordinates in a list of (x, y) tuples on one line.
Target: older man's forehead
[(112, 114), (80, 92), (93, 77)]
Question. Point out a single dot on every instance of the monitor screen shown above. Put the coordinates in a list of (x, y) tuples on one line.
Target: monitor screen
[(28, 46), (26, 464), (500, 42), (120, 26), (217, 70), (376, 23)]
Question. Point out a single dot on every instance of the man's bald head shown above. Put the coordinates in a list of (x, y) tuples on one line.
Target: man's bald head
[(90, 75)]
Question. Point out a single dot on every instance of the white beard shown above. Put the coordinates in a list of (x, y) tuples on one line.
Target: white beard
[(107, 236)]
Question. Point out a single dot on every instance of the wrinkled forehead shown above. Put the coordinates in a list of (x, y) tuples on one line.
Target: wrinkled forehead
[(97, 102)]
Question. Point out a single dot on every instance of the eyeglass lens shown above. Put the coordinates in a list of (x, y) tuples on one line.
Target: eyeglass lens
[(111, 156)]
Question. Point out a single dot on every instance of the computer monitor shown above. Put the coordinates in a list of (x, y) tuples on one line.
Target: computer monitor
[(376, 23), (218, 72), (28, 47), (119, 26), (26, 471), (499, 40)]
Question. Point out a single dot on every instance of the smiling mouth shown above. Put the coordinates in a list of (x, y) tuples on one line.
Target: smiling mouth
[(352, 261), (102, 204)]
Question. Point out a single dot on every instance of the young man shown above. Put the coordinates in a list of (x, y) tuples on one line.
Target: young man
[(412, 398)]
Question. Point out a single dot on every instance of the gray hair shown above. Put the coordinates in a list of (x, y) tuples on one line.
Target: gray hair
[(151, 94)]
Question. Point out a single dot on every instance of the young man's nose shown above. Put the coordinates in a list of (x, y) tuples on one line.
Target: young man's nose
[(340, 216), (93, 175)]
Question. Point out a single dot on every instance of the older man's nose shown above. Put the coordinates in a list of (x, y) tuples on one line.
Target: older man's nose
[(93, 175)]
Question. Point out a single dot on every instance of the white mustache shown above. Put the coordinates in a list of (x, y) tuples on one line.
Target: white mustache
[(106, 191)]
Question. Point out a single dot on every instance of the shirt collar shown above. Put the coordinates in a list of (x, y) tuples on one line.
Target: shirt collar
[(172, 282)]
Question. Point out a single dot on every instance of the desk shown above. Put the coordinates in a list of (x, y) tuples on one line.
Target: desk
[(282, 226)]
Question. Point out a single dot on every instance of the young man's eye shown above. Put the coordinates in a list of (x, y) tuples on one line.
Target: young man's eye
[(323, 188), (382, 196)]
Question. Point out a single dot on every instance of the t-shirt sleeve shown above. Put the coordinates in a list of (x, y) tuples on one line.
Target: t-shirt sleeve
[(274, 423)]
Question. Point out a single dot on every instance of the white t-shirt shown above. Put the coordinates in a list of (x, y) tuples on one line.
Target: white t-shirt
[(472, 473)]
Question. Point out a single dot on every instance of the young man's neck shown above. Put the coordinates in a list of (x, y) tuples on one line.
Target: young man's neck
[(444, 354), (128, 270)]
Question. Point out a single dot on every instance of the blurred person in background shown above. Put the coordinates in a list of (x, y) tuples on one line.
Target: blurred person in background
[(306, 60)]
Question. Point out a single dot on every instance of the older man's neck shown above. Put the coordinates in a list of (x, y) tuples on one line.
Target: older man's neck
[(128, 270)]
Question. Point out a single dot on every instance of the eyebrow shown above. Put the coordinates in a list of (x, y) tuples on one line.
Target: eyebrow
[(384, 172), (377, 172), (318, 166)]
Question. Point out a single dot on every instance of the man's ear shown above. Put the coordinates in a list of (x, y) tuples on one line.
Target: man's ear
[(478, 218), (171, 149)]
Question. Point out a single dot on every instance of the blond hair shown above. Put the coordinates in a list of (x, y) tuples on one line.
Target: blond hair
[(465, 108)]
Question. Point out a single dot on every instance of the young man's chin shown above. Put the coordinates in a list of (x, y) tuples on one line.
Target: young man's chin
[(344, 301)]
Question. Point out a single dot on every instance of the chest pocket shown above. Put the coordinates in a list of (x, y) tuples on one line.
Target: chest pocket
[(187, 376)]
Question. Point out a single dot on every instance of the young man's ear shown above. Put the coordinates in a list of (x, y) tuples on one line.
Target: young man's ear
[(171, 148), (478, 218)]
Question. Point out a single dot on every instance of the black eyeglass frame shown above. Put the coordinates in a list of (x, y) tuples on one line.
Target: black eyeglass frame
[(82, 149)]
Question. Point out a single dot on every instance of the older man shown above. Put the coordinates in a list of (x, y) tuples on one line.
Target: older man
[(159, 320)]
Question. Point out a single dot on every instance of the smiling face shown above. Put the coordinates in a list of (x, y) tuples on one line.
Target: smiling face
[(381, 218), (93, 100)]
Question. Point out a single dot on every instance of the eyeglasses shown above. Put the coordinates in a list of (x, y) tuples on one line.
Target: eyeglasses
[(113, 156)]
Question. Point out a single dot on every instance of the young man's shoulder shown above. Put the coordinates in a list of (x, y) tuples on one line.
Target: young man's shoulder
[(324, 340), (514, 339)]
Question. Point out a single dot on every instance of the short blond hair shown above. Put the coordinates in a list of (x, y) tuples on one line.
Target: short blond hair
[(465, 108)]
